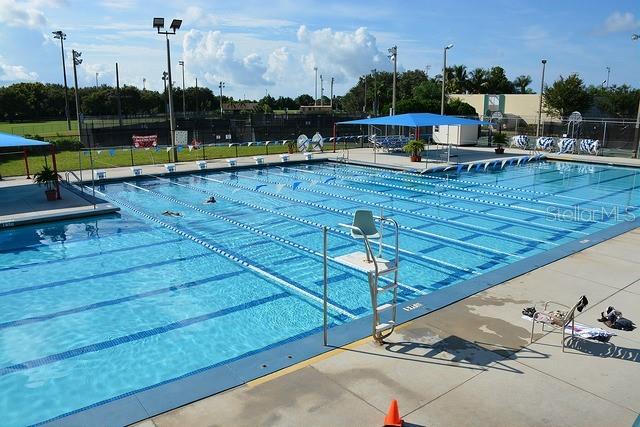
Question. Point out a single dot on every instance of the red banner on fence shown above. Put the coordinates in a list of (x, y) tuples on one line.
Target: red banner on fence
[(144, 141)]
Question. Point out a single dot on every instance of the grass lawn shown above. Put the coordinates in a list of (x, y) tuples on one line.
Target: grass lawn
[(44, 129), (13, 165)]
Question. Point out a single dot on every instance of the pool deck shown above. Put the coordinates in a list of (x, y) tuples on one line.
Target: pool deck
[(468, 364), (24, 202)]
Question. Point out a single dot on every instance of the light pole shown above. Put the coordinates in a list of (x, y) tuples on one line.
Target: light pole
[(158, 23), (331, 100), (144, 83), (118, 97), (321, 91), (221, 86), (636, 137), (77, 61), (97, 85), (544, 65), (444, 76), (315, 101), (608, 74), (393, 55), (184, 99), (364, 105), (375, 91), (62, 36)]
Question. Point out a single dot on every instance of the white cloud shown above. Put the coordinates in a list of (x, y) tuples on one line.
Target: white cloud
[(198, 17), (118, 4), (208, 53), (617, 22), (16, 73), (344, 55), (21, 14)]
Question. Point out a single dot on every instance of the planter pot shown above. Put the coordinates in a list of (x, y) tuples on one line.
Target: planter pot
[(52, 195), (290, 150), (499, 150), (416, 158)]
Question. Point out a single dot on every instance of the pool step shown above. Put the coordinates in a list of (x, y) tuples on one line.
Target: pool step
[(387, 288), (385, 326), (384, 307)]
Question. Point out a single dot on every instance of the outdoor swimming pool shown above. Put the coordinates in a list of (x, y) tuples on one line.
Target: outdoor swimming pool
[(93, 310)]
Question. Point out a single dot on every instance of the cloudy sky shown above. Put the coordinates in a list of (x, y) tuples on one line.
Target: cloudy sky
[(272, 46)]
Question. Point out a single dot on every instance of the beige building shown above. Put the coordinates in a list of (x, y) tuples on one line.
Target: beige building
[(524, 106)]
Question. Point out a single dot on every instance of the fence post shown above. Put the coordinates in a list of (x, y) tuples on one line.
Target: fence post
[(131, 152), (325, 287), (204, 154), (236, 150)]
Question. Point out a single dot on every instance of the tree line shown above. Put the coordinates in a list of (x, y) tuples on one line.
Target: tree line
[(372, 94)]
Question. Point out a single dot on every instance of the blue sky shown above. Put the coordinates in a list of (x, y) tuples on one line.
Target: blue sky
[(272, 46)]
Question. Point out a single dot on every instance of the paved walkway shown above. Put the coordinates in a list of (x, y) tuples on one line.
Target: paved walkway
[(469, 364)]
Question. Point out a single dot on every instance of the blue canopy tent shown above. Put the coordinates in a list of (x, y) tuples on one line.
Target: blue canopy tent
[(414, 120), (13, 141)]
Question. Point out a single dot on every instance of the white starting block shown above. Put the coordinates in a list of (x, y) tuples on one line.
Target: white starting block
[(259, 160), (201, 164), (170, 167), (137, 170), (232, 162), (284, 158), (308, 156), (101, 174)]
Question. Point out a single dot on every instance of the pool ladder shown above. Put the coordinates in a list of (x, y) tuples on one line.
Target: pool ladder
[(377, 268)]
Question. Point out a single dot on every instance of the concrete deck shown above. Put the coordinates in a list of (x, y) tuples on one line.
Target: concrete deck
[(24, 202), (469, 364)]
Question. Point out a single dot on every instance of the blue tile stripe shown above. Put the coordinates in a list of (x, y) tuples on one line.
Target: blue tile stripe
[(92, 348), (195, 372), (101, 275), (237, 258), (334, 231), (434, 193), (440, 205), (90, 255), (74, 310)]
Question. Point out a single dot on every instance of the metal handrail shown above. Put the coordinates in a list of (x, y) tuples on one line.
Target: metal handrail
[(66, 176)]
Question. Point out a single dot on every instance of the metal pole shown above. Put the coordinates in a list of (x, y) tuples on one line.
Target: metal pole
[(444, 79), (62, 36), (118, 97), (544, 64), (55, 169), (325, 287), (77, 61), (637, 134), (608, 74), (221, 85), (331, 100), (321, 91), (172, 119), (184, 99), (315, 101), (394, 52), (364, 106)]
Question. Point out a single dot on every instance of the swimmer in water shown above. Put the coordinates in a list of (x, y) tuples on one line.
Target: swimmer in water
[(210, 200), (171, 213)]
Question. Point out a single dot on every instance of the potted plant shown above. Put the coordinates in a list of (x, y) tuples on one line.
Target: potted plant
[(414, 148), (500, 140), (49, 178), (291, 145)]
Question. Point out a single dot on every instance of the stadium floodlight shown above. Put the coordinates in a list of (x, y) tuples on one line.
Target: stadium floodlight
[(158, 23), (635, 37), (62, 37), (449, 46)]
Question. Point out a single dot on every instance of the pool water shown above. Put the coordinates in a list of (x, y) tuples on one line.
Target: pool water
[(94, 309)]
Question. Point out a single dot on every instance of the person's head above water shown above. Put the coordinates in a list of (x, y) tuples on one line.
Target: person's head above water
[(211, 200)]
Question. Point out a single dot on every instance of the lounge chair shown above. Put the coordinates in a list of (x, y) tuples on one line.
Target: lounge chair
[(363, 220), (557, 318)]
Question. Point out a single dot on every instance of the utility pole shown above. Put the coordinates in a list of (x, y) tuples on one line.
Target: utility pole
[(393, 55), (118, 97), (221, 86), (331, 100), (97, 85), (77, 61), (321, 91), (62, 36), (315, 102), (184, 99), (144, 83), (166, 101), (538, 130), (608, 74), (375, 91)]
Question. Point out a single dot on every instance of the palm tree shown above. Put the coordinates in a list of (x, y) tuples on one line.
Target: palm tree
[(457, 78), (476, 79), (521, 83)]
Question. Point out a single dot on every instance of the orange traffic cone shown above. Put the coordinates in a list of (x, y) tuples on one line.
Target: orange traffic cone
[(393, 415)]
